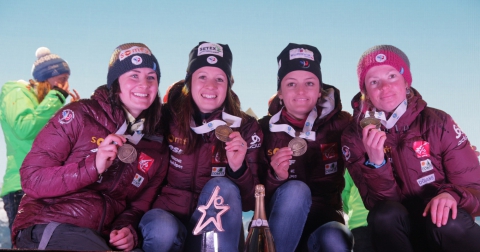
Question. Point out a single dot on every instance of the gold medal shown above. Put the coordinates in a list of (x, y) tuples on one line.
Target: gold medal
[(127, 153), (298, 146), (222, 132), (370, 120)]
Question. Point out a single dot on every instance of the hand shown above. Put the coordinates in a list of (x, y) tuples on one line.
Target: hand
[(439, 208), (373, 141), (122, 239), (63, 85), (75, 96), (281, 162), (107, 151), (236, 150)]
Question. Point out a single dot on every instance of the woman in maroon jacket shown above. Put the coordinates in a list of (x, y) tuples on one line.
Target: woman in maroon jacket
[(412, 164), (304, 180), (78, 194), (203, 154)]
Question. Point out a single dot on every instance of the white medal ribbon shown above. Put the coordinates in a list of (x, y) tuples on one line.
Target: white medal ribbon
[(212, 125), (306, 132), (136, 137), (399, 111)]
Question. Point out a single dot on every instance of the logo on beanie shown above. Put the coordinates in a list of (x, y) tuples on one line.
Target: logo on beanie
[(137, 60), (304, 63), (212, 60), (210, 48), (300, 53), (380, 57), (133, 50)]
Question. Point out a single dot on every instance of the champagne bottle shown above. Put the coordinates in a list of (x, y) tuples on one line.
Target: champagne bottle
[(259, 238)]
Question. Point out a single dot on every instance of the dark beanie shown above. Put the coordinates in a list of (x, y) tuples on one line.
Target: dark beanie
[(298, 57), (383, 55), (48, 65), (129, 56), (210, 54)]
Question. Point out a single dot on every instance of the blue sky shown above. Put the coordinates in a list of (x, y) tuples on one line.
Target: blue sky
[(441, 39)]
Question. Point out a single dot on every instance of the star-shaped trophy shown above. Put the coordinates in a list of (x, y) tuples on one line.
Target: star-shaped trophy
[(209, 240)]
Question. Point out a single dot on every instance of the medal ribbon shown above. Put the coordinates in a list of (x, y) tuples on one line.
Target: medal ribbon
[(137, 135), (306, 132), (399, 111), (212, 125)]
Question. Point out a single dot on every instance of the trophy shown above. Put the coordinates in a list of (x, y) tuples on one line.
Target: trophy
[(209, 235)]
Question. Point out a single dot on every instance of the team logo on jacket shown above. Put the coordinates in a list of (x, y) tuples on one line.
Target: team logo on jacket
[(66, 116), (137, 180), (331, 168), (346, 152), (218, 171), (426, 165), (459, 134), (144, 162), (255, 143), (421, 148), (329, 151)]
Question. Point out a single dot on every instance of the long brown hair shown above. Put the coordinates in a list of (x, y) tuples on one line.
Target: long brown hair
[(183, 109), (152, 114), (42, 87)]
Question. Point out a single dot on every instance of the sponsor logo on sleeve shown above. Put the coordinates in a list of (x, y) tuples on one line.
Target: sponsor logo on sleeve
[(346, 152), (459, 134), (426, 165), (255, 143), (329, 151), (426, 180), (144, 162), (331, 168), (218, 171), (421, 148), (66, 116), (137, 180)]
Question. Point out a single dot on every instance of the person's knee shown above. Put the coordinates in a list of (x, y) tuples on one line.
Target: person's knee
[(387, 212), (160, 224), (332, 236), (228, 189), (455, 229), (296, 191)]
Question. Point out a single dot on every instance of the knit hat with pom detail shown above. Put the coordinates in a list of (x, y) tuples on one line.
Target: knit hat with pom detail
[(383, 55), (48, 65), (130, 56)]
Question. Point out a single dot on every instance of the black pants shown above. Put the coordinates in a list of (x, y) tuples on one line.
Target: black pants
[(362, 239), (65, 237), (396, 228)]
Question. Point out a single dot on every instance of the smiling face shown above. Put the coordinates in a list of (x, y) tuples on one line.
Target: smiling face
[(138, 89), (299, 91), (209, 88), (385, 87)]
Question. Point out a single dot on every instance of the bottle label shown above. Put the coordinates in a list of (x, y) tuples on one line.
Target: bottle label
[(259, 223)]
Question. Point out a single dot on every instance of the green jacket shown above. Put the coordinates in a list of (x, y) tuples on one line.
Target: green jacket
[(22, 117), (353, 204)]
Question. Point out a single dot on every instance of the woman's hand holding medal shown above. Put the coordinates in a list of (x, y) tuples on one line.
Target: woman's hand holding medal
[(236, 149), (107, 151), (373, 140), (281, 162)]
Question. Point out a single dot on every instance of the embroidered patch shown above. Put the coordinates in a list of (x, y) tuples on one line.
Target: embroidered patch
[(137, 60), (210, 48), (300, 53), (137, 180), (66, 117), (421, 148), (346, 152), (255, 143), (380, 57), (329, 151), (212, 60), (144, 162), (426, 165), (426, 180), (218, 171), (330, 168), (133, 50)]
